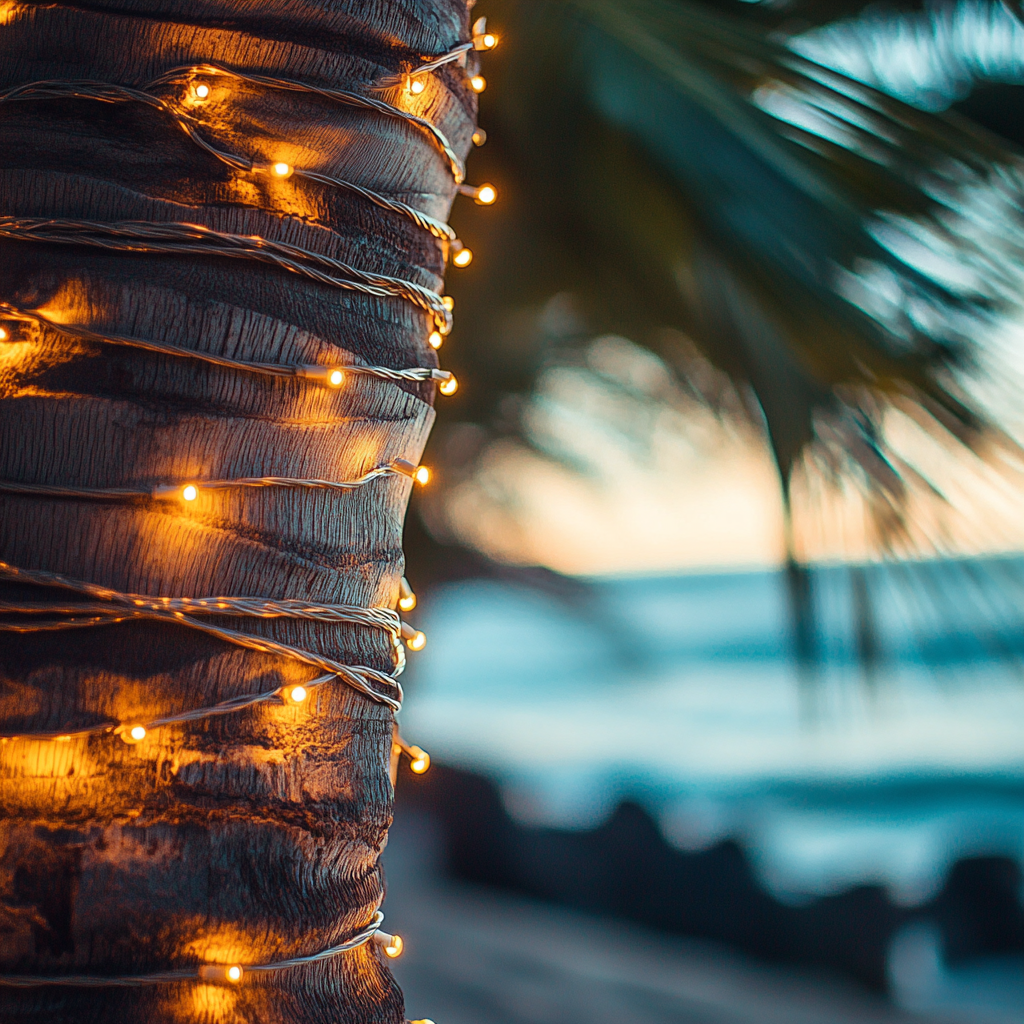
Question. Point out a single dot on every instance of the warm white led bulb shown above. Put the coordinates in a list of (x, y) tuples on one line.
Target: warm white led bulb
[(463, 257), (407, 603), (479, 137), (133, 734), (295, 694), (217, 972), (478, 83), (189, 492), (202, 91), (485, 195), (395, 946), (416, 86), (419, 760), (417, 641), (335, 378), (4, 335), (281, 169), (449, 386), (436, 339), (422, 475)]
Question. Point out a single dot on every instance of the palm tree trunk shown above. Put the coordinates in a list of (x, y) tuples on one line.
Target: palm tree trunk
[(249, 837)]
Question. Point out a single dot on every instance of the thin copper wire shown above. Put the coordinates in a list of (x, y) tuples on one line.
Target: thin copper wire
[(354, 99), (191, 973), (174, 490), (105, 92), (389, 81), (184, 610), (416, 373), (198, 240)]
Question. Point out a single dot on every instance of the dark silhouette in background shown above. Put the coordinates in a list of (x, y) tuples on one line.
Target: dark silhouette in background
[(625, 867)]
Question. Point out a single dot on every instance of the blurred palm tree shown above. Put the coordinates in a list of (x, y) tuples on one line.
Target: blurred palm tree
[(799, 247)]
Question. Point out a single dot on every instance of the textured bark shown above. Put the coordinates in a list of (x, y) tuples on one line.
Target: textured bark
[(254, 836)]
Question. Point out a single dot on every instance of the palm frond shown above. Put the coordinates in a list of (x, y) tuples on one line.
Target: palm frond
[(834, 250)]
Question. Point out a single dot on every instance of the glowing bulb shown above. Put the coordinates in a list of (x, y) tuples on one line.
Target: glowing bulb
[(189, 492), (424, 1020), (134, 734), (417, 641), (407, 603), (490, 41), (422, 475), (295, 694), (215, 972), (479, 137), (448, 302), (281, 169), (416, 86), (486, 194), (335, 378), (419, 760), (202, 91), (395, 946), (435, 340), (3, 334), (463, 257), (63, 739), (449, 386), (478, 83)]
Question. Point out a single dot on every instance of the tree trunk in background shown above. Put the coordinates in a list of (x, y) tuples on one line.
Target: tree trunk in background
[(255, 836)]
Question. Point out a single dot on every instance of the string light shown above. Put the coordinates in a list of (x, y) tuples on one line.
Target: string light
[(419, 759), (392, 944), (482, 39), (232, 973), (479, 137), (326, 375), (196, 239), (483, 195), (414, 639), (118, 607), (420, 474), (114, 94), (211, 972)]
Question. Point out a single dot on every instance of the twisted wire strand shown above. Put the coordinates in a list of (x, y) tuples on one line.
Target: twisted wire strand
[(174, 490), (416, 373), (105, 92), (388, 81), (188, 974), (198, 240), (353, 99), (183, 611)]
